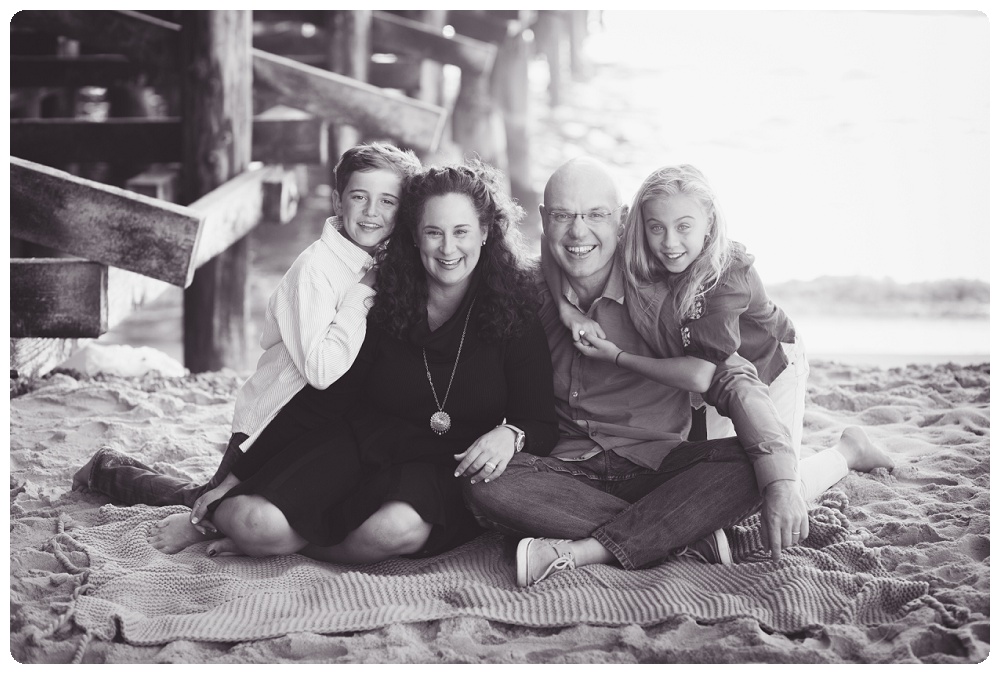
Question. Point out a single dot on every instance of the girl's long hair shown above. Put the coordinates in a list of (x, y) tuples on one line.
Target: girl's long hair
[(642, 267), (507, 296)]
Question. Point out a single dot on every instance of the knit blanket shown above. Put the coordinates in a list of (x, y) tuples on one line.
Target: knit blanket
[(147, 597)]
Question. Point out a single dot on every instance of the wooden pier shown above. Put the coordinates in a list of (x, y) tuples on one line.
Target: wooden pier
[(209, 117)]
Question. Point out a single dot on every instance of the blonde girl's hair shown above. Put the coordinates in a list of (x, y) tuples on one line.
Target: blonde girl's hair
[(642, 267)]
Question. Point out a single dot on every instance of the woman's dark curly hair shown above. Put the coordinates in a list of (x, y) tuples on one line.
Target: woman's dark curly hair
[(507, 295)]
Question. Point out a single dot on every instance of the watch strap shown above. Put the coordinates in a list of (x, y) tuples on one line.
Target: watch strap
[(518, 437)]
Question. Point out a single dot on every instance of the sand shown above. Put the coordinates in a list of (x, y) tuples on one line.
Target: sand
[(928, 521)]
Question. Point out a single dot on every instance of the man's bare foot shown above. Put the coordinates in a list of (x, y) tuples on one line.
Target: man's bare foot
[(861, 453), (175, 532), (223, 547)]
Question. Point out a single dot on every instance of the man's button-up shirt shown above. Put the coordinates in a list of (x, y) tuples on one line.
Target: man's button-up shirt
[(601, 406)]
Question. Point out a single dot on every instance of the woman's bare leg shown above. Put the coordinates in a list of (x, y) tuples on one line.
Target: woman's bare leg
[(394, 529), (254, 526)]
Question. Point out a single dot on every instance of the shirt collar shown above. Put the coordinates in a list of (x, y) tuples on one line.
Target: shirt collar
[(357, 259), (614, 289)]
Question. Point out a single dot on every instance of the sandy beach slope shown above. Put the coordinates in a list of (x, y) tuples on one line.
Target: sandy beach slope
[(927, 521)]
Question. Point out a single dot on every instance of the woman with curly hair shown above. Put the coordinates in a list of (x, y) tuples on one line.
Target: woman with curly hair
[(453, 378)]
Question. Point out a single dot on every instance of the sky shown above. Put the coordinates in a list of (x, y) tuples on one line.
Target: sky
[(839, 143)]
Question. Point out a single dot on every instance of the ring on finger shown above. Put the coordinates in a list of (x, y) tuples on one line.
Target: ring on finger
[(491, 466), (796, 533)]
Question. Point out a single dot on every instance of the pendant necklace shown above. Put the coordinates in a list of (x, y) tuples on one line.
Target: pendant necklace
[(440, 420)]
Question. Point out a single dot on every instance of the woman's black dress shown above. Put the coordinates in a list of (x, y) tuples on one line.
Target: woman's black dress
[(367, 439)]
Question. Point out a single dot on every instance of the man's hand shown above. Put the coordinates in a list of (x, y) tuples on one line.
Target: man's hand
[(784, 517)]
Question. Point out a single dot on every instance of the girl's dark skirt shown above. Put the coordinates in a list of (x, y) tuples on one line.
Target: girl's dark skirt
[(327, 483)]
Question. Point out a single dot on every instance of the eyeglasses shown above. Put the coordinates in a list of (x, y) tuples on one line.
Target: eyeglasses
[(591, 217)]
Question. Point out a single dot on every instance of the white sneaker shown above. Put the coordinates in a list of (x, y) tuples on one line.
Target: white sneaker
[(528, 547), (713, 549)]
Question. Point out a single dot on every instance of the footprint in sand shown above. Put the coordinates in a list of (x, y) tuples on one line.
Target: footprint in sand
[(880, 416), (977, 547), (938, 640)]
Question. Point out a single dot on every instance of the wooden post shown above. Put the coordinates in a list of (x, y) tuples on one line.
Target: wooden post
[(349, 52), (431, 72), (549, 34), (577, 20), (510, 86), (216, 75)]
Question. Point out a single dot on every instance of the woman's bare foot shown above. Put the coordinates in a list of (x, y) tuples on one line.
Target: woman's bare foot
[(175, 532), (223, 547), (861, 453)]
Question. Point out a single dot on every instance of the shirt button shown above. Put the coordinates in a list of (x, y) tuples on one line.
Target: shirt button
[(575, 394)]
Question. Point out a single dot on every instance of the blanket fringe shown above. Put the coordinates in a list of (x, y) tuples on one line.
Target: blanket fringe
[(81, 579), (81, 648)]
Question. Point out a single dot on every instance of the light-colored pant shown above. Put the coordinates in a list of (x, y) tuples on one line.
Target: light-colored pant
[(817, 472), (787, 392)]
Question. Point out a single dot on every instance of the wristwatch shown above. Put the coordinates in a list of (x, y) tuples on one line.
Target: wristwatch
[(518, 437)]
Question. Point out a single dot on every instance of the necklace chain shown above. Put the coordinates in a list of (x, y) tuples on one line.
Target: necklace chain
[(427, 369)]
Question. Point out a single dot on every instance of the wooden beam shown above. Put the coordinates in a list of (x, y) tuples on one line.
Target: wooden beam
[(290, 41), (482, 25), (141, 140), (337, 98), (102, 223), (391, 34), (403, 74), (280, 196), (295, 139), (284, 135), (394, 34), (100, 70), (158, 182), (73, 298), (58, 297), (229, 212)]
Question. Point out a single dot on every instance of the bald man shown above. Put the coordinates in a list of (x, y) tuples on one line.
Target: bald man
[(622, 485)]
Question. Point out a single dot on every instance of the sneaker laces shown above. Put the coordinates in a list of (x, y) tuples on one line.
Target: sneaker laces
[(687, 552), (564, 562)]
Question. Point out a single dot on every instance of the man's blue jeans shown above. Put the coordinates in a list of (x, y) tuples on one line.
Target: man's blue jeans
[(126, 480), (640, 515)]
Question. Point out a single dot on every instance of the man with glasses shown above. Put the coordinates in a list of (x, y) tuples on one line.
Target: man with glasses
[(622, 485)]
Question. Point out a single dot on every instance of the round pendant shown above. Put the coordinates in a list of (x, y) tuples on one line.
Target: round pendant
[(440, 422)]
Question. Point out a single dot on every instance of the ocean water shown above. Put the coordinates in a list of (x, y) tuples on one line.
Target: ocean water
[(890, 342)]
